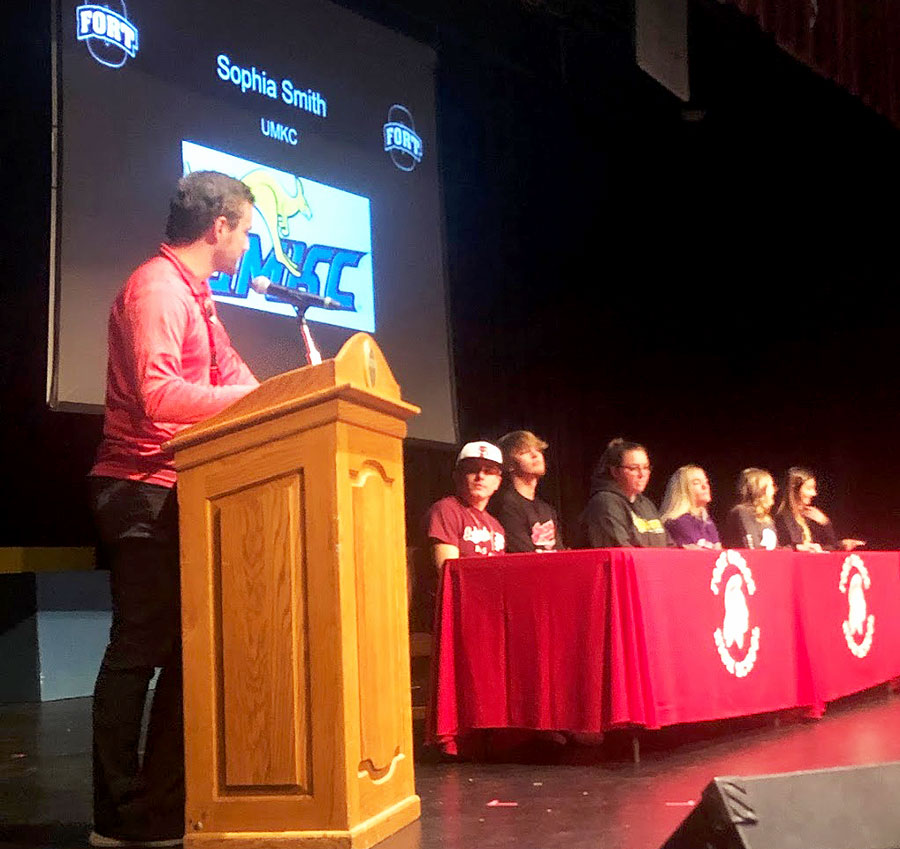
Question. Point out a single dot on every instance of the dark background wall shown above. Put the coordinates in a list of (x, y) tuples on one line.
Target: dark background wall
[(718, 284)]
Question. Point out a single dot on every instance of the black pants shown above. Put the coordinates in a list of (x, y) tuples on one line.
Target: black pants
[(134, 798)]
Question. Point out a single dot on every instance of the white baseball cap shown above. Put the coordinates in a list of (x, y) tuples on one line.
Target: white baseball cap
[(480, 451)]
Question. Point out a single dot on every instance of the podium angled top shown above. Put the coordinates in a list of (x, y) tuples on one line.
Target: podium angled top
[(359, 374)]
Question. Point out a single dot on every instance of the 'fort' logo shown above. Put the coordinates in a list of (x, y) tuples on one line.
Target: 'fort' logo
[(401, 140), (106, 31)]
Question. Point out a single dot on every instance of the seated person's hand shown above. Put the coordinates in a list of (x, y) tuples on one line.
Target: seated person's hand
[(809, 546), (851, 544), (814, 514)]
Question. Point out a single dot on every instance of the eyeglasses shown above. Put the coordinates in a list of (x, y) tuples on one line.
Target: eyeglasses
[(637, 469)]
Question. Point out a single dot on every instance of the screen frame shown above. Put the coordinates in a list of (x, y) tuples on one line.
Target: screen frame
[(57, 191)]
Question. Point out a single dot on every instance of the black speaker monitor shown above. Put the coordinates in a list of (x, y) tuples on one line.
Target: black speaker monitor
[(840, 808)]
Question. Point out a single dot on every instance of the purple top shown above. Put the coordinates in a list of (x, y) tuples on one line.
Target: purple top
[(688, 529)]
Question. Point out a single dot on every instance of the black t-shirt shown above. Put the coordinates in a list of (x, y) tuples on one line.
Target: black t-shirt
[(529, 525), (790, 532)]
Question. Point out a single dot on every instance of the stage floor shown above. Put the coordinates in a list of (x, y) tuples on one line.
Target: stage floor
[(578, 796)]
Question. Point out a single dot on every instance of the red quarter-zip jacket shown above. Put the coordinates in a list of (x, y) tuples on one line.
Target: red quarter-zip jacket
[(161, 375)]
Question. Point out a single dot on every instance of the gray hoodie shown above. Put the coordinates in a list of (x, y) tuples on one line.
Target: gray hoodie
[(610, 520)]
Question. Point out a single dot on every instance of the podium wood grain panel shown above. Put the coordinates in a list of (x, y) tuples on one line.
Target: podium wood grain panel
[(265, 676), (385, 763), (374, 531)]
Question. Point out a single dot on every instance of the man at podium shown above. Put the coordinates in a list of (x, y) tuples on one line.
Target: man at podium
[(171, 364)]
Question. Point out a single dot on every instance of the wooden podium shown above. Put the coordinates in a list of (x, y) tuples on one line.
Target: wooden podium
[(294, 611)]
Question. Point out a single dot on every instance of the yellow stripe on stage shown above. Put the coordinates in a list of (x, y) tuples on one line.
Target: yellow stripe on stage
[(46, 559)]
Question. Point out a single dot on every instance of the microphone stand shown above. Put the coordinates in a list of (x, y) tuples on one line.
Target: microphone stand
[(313, 357)]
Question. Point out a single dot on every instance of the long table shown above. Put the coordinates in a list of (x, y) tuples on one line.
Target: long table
[(588, 641)]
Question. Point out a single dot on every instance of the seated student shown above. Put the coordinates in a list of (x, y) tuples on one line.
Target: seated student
[(801, 524), (684, 510), (530, 523), (458, 525), (618, 513), (749, 523)]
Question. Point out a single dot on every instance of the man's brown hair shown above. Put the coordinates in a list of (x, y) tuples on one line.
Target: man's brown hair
[(200, 198)]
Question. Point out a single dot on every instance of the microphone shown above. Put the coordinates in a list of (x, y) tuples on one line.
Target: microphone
[(295, 297)]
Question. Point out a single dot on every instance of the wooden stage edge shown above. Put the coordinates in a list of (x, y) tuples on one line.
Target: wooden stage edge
[(362, 836)]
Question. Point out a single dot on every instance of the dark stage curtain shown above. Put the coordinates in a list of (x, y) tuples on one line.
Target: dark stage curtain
[(856, 43)]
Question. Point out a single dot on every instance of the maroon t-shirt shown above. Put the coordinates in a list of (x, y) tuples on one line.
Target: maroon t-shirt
[(471, 530)]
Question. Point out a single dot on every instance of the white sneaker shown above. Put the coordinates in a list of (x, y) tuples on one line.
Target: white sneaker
[(101, 841)]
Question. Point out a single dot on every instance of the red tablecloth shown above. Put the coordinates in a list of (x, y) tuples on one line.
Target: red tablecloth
[(591, 640)]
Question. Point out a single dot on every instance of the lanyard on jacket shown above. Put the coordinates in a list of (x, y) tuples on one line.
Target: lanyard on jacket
[(206, 307)]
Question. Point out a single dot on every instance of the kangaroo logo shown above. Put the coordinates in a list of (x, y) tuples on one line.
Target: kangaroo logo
[(305, 235), (277, 207)]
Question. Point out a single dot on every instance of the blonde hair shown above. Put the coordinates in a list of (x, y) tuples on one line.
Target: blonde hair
[(517, 441), (677, 501), (752, 487)]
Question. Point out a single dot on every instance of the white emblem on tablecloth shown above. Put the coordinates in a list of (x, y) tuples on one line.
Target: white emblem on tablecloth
[(768, 539), (735, 630), (859, 626)]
